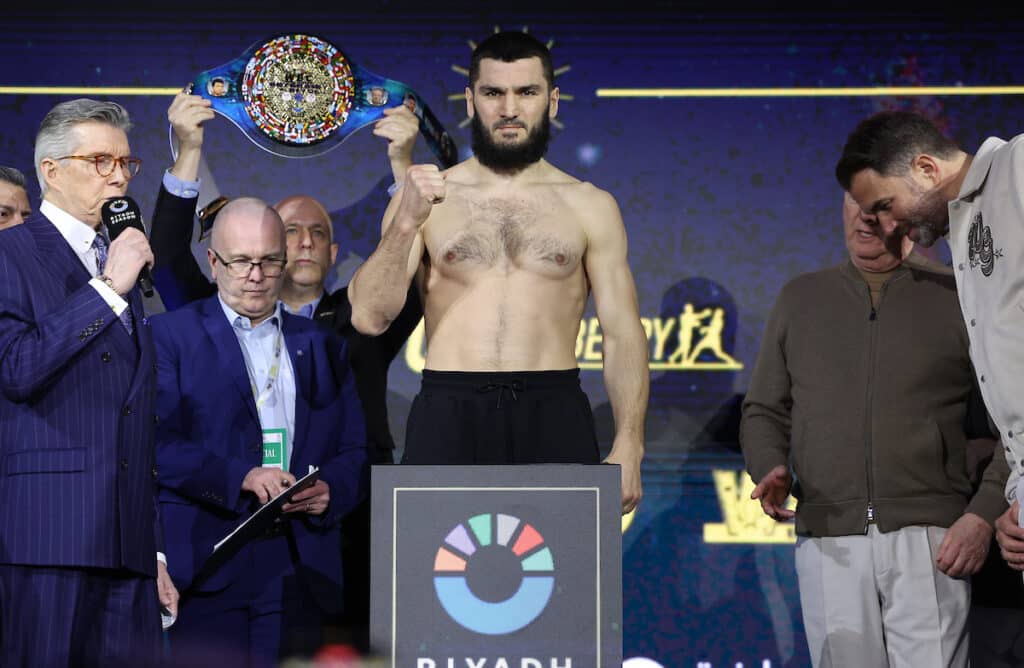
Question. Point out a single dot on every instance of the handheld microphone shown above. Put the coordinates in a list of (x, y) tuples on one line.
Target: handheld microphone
[(118, 214)]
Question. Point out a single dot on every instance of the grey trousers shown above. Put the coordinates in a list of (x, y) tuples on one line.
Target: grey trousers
[(879, 600)]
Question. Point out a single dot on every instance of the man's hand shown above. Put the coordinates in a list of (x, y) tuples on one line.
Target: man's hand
[(313, 500), (772, 492), (187, 114), (266, 482), (1010, 537), (400, 127), (965, 546), (126, 257), (423, 188), (165, 589), (632, 490)]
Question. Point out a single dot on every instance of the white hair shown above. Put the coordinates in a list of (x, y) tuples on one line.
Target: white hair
[(56, 135)]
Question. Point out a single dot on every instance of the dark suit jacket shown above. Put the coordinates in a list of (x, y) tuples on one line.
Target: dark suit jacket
[(210, 438), (180, 281), (77, 415), (371, 356)]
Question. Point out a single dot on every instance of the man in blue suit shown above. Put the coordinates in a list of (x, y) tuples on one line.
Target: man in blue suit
[(79, 535), (251, 397)]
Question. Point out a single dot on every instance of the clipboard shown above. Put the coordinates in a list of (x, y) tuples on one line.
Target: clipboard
[(262, 519), (255, 526)]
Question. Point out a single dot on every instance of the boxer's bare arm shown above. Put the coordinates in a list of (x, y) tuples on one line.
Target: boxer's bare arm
[(379, 287), (626, 375)]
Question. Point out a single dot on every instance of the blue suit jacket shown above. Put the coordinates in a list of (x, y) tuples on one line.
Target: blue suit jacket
[(210, 438), (77, 392)]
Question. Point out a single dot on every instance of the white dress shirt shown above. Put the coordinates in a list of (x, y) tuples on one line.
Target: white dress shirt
[(80, 237)]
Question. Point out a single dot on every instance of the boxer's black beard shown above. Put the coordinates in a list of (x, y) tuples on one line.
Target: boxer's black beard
[(510, 158)]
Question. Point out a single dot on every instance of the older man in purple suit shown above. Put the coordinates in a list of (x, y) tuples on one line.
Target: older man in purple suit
[(80, 578)]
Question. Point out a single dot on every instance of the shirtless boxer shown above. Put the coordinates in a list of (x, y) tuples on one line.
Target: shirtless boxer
[(505, 248)]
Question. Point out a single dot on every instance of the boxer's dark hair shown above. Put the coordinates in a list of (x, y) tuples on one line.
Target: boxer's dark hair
[(508, 47)]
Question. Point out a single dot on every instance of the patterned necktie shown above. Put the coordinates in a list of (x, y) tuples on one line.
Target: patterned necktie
[(99, 243)]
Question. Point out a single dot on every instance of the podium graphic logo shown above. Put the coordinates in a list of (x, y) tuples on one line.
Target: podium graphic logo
[(494, 575)]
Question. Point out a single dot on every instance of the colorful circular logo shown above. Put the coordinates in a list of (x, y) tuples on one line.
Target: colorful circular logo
[(494, 574), (298, 89)]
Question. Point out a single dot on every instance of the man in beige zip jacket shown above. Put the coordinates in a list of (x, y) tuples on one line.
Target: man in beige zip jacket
[(857, 403)]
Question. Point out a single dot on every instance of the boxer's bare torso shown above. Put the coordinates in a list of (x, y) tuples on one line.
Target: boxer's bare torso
[(502, 273)]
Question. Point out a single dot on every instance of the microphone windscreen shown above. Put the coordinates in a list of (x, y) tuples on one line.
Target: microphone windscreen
[(120, 213)]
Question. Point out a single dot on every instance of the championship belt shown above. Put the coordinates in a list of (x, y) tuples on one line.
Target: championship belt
[(298, 96)]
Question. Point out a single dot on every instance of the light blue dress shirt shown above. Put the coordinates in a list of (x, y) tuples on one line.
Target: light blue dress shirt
[(180, 188), (306, 310), (257, 343)]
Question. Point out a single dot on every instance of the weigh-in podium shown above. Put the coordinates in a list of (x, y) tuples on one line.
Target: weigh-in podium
[(517, 566)]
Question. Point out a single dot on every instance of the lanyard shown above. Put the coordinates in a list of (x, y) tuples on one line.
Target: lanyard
[(275, 368)]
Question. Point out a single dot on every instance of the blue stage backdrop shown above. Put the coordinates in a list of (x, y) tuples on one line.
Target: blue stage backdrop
[(725, 184)]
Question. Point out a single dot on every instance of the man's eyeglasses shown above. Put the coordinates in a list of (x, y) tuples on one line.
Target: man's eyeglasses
[(105, 164), (271, 267)]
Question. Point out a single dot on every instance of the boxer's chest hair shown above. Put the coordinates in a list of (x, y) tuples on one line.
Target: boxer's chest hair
[(497, 231)]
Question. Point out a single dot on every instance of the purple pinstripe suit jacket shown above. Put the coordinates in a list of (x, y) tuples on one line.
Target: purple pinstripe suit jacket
[(77, 393)]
